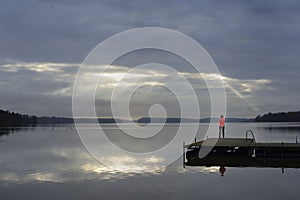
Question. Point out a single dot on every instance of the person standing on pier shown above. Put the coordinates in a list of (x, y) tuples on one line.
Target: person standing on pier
[(222, 126)]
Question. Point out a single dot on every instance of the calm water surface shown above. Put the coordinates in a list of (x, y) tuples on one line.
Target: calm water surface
[(51, 163)]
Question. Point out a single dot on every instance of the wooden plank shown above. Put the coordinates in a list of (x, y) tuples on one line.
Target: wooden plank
[(276, 145), (222, 142), (240, 142)]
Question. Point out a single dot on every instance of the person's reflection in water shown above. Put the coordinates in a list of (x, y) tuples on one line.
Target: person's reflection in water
[(222, 170)]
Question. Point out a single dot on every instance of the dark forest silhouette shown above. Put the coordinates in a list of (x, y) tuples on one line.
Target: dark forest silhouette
[(279, 117), (8, 119)]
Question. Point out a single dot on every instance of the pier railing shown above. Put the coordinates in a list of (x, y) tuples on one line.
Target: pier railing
[(251, 133)]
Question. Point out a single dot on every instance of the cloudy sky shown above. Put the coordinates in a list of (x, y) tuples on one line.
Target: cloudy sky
[(255, 45)]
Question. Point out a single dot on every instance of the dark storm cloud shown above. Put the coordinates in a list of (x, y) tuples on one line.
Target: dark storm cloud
[(254, 34), (247, 39)]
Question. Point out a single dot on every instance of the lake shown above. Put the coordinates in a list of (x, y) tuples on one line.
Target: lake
[(50, 162)]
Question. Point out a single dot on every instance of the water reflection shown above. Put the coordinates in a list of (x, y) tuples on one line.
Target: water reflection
[(243, 161), (55, 154), (222, 170), (283, 128), (31, 177), (5, 131), (51, 160)]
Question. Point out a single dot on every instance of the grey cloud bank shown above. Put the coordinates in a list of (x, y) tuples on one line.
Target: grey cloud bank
[(249, 41)]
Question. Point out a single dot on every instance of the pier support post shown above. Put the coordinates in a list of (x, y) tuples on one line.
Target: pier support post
[(183, 155)]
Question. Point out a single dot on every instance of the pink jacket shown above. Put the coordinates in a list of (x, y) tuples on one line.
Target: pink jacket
[(222, 122)]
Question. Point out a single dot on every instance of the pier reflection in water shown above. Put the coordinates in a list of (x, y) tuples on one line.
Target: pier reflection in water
[(245, 161)]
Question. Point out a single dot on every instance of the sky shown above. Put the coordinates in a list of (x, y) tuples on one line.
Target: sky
[(255, 45)]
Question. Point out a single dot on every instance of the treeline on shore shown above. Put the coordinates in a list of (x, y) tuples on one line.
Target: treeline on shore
[(8, 118), (279, 117), (12, 119)]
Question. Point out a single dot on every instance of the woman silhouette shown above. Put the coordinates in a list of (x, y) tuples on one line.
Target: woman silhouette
[(222, 126)]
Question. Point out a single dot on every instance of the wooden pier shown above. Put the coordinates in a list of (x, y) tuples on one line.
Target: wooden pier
[(243, 152), (237, 142)]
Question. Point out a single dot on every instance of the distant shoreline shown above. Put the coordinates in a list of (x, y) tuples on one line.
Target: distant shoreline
[(11, 119)]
